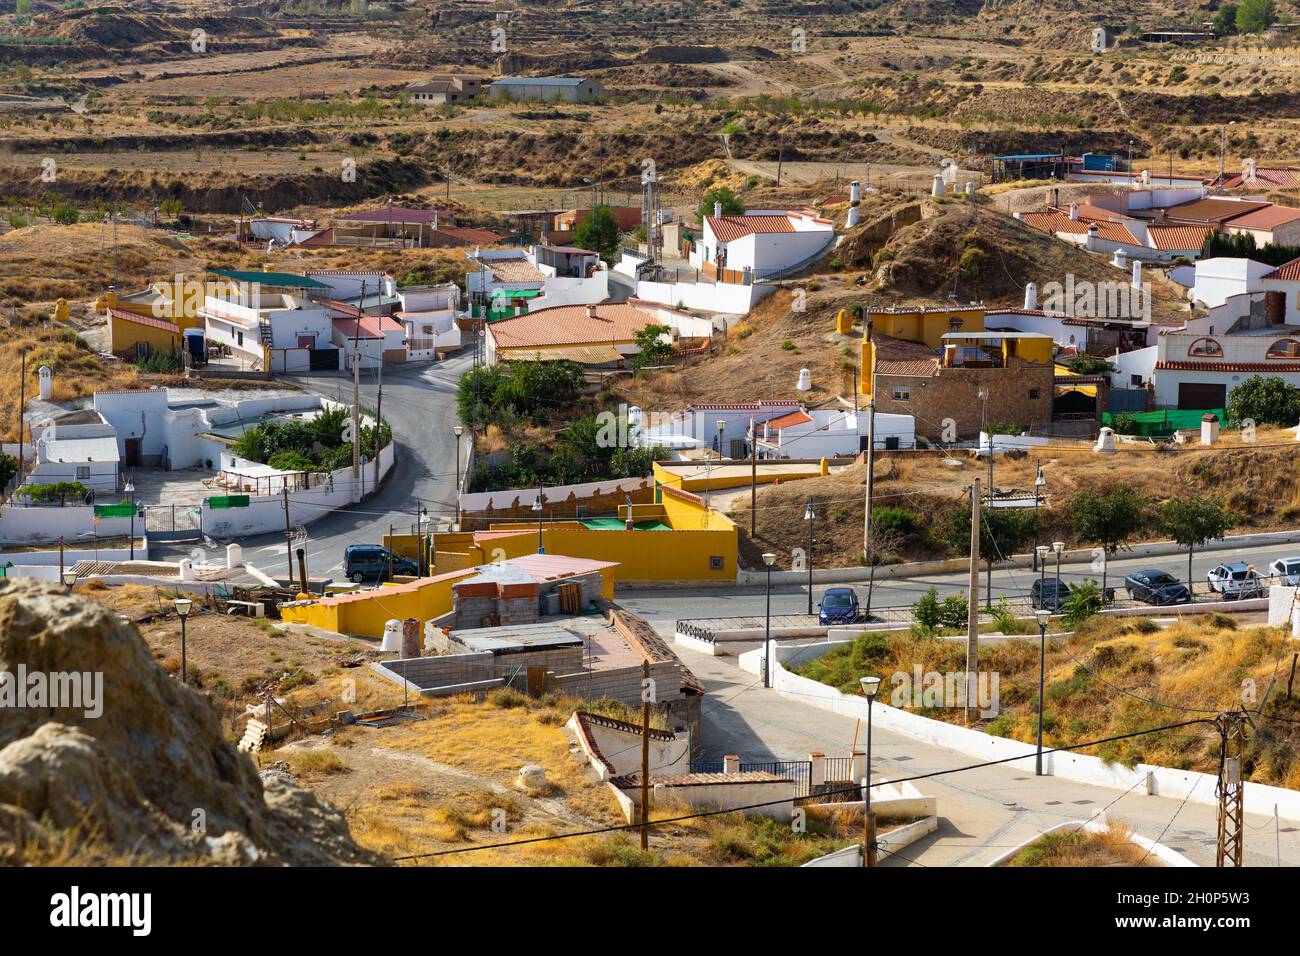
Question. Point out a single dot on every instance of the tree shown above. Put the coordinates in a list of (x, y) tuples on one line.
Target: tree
[(1108, 520), (1255, 16), (654, 350), (599, 233), (1265, 401), (1195, 521), (1225, 19), (171, 207), (8, 468), (732, 205), (1003, 532)]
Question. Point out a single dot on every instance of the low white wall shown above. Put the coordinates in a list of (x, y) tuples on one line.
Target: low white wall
[(45, 525), (1082, 768), (1096, 824), (709, 296)]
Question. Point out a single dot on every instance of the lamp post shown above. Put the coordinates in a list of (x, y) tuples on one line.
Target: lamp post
[(1058, 547), (537, 506), (870, 685), (70, 579), (1040, 558), (1043, 615), (1038, 494), (183, 606), (768, 558), (457, 430), (808, 516), (130, 490), (420, 513)]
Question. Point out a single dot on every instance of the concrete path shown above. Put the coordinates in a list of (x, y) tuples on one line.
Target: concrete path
[(982, 813)]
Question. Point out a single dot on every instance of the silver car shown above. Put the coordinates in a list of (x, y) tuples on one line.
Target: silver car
[(1286, 571), (1236, 580)]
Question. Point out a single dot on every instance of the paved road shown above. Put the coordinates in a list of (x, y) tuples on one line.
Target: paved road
[(420, 404), (983, 812), (663, 606)]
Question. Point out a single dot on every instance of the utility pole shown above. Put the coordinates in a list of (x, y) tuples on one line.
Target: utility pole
[(753, 480), (379, 407), (1232, 792), (22, 404), (288, 531), (973, 604), (356, 395), (867, 535), (645, 755)]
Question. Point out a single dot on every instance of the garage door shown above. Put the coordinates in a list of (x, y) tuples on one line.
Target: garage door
[(1197, 395)]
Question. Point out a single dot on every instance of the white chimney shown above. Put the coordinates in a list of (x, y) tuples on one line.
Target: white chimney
[(234, 556), (855, 192), (937, 189), (1091, 242), (1074, 210), (1031, 295), (717, 210), (1120, 259), (591, 311), (1248, 169), (47, 382), (1137, 273), (805, 380), (854, 217)]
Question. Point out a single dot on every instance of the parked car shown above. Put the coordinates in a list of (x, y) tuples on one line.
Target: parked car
[(1049, 594), (370, 562), (1156, 587), (1237, 580), (839, 606), (1286, 571)]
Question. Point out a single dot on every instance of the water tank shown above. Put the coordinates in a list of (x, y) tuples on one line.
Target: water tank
[(392, 641)]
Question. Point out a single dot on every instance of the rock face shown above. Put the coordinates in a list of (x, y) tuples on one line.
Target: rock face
[(150, 774)]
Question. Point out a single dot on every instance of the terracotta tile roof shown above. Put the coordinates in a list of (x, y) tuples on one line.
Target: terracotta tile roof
[(372, 326), (1175, 238), (571, 325), (793, 418), (148, 320), (727, 228), (1055, 221), (1278, 177), (904, 357), (1043, 313), (514, 270), (467, 235), (1288, 270), (1229, 366), (1270, 217)]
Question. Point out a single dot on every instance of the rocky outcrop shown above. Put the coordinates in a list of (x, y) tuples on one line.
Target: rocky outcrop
[(141, 767)]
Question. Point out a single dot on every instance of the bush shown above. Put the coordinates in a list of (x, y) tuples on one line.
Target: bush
[(925, 612), (954, 612), (1082, 603), (902, 521)]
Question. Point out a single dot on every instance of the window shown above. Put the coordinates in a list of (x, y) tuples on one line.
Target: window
[(1284, 349), (83, 471), (715, 562), (1205, 347), (900, 394), (1135, 381), (1033, 393), (239, 338)]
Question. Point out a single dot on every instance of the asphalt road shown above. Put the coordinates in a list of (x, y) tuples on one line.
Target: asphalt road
[(420, 404), (663, 606)]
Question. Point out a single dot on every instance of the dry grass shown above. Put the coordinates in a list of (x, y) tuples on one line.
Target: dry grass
[(1113, 676), (1110, 847), (315, 761)]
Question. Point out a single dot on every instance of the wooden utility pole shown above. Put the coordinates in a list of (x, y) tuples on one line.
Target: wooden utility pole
[(288, 531), (379, 408), (871, 446), (753, 480), (973, 604), (22, 404), (1232, 792), (356, 390), (645, 756)]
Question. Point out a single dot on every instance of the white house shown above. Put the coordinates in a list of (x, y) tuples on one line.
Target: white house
[(598, 335), (261, 311), (377, 339), (830, 433), (759, 244), (428, 314), (713, 425), (76, 446)]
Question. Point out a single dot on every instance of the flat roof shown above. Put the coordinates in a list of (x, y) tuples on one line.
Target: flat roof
[(285, 279)]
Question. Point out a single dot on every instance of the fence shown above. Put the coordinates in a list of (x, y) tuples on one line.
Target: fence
[(800, 771)]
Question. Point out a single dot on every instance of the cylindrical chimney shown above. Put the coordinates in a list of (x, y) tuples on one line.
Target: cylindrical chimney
[(1031, 295), (717, 210), (1074, 210)]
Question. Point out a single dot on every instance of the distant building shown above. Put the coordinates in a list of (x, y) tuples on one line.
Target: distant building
[(447, 89), (388, 226), (571, 89), (758, 244)]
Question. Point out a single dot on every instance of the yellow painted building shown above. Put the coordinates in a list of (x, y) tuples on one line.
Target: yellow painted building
[(155, 318), (928, 325)]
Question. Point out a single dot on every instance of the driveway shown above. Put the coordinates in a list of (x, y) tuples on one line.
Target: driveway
[(982, 813)]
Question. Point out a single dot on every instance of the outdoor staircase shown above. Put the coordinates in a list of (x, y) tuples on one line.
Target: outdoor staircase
[(264, 329)]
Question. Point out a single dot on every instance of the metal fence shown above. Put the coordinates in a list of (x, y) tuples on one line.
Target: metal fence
[(800, 771)]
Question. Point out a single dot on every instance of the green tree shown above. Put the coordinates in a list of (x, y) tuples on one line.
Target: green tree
[(654, 350), (171, 207), (8, 468), (1255, 16), (1265, 401), (732, 205), (1084, 601), (1225, 19), (599, 233), (65, 214), (1193, 522), (1108, 520), (1003, 532)]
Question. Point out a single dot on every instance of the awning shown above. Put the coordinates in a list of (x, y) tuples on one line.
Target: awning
[(516, 293)]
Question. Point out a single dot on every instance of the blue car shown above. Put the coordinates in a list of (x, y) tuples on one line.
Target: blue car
[(839, 606)]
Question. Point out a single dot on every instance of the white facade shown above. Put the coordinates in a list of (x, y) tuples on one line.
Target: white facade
[(293, 321), (835, 434), (764, 253), (1228, 360), (1219, 278)]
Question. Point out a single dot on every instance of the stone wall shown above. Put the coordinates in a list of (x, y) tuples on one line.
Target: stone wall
[(1021, 393)]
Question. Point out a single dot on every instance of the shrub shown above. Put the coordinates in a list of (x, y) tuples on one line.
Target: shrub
[(954, 611), (1082, 603), (925, 612)]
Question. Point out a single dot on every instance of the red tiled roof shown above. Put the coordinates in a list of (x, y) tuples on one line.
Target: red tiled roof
[(1043, 313), (1056, 221), (571, 325), (469, 236), (727, 228), (372, 326), (1174, 238), (1211, 210), (1275, 176), (793, 418), (1270, 217), (1288, 270), (1229, 366), (148, 320)]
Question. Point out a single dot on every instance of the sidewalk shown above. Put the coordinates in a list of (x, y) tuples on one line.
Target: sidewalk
[(982, 813)]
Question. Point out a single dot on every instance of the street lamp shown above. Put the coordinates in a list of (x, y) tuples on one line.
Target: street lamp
[(537, 506), (183, 607), (420, 512), (768, 559), (1038, 495), (457, 430), (1040, 558), (870, 685), (70, 578), (808, 516), (130, 490), (1043, 615), (1058, 547)]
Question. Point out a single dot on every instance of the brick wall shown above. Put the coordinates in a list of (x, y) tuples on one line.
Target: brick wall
[(1021, 393)]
